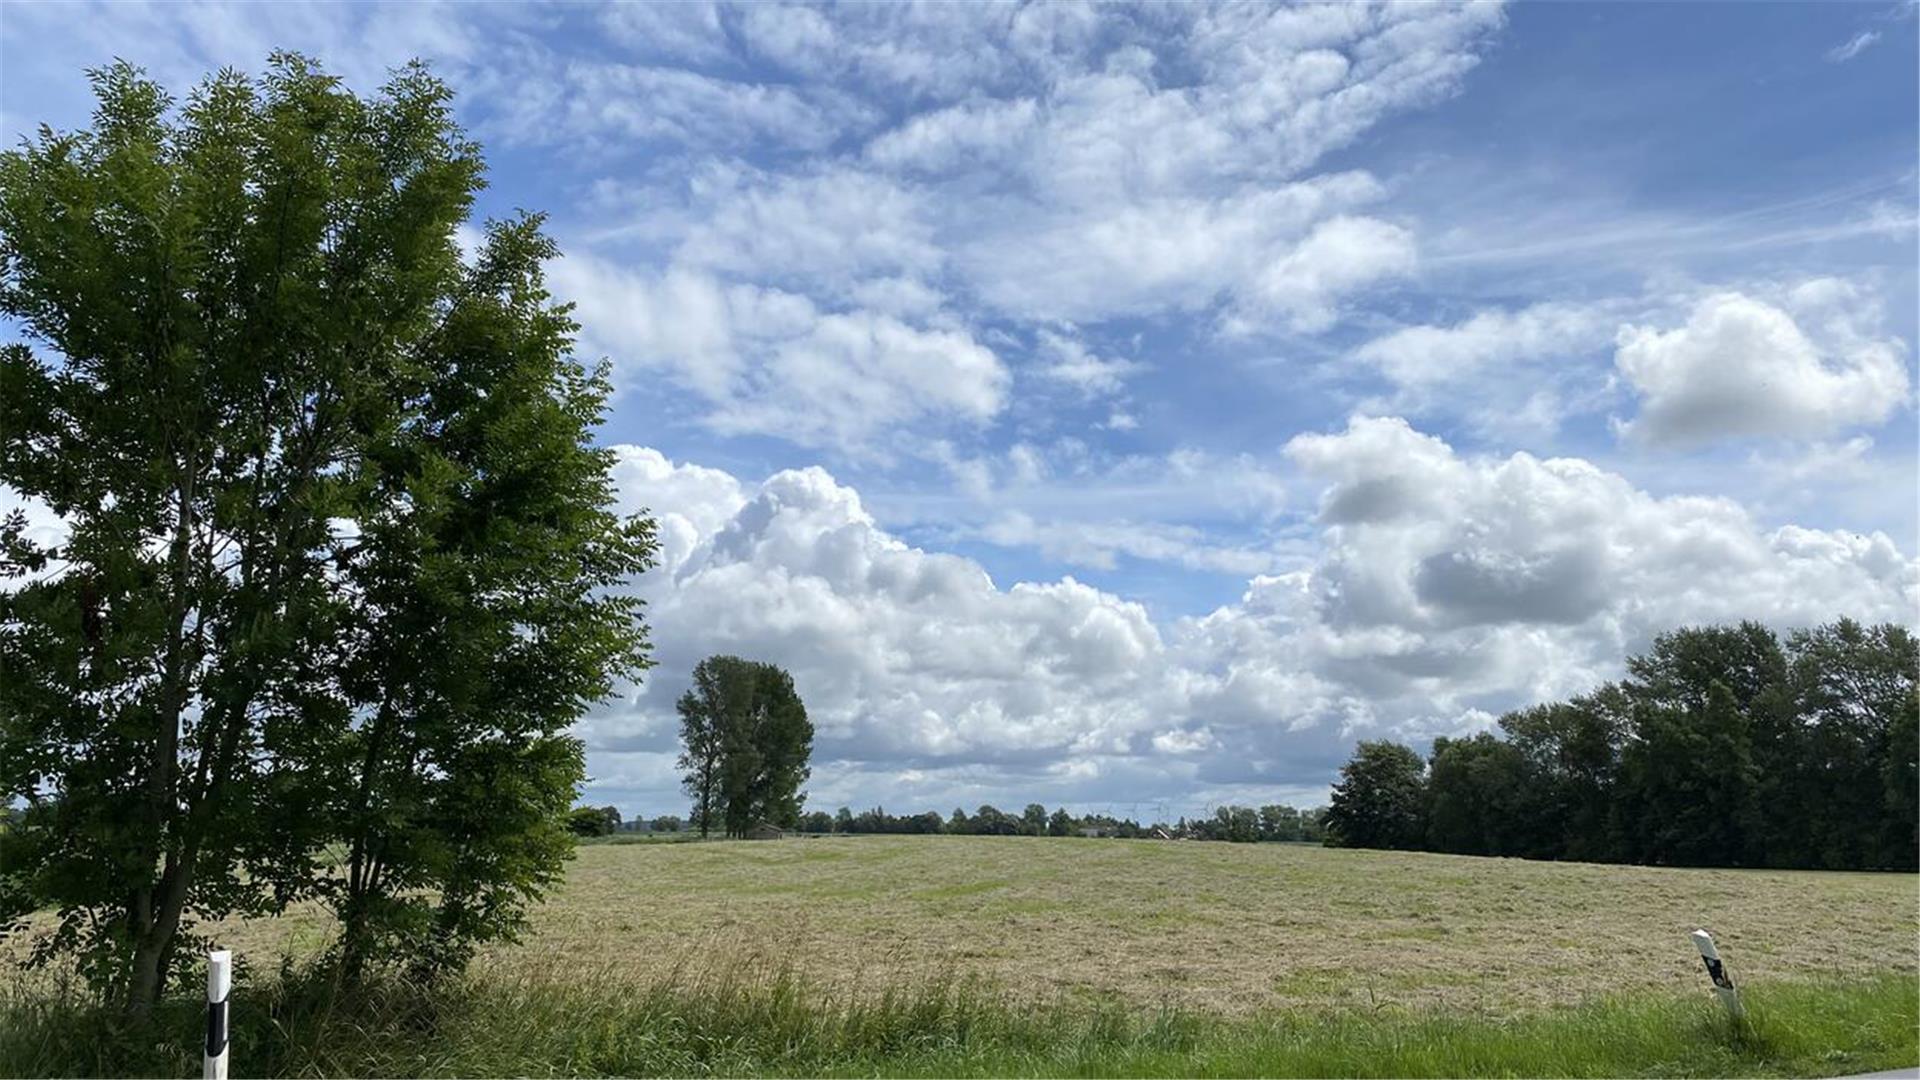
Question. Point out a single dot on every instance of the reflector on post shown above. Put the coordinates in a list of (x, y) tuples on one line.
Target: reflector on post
[(219, 989), (1717, 971)]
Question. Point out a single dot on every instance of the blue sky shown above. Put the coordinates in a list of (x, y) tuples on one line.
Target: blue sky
[(1134, 406)]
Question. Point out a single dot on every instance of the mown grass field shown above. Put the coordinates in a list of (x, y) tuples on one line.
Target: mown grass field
[(983, 955), (1227, 928)]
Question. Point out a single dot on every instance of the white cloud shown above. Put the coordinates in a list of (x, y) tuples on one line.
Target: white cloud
[(1422, 538), (1422, 358), (1059, 164), (604, 109), (1510, 374), (901, 654), (1338, 258), (771, 362), (691, 30), (1853, 46), (1100, 544), (1820, 461), (959, 135), (838, 230), (688, 503), (1444, 590), (1742, 367), (1177, 253), (1070, 484), (922, 52), (1067, 360)]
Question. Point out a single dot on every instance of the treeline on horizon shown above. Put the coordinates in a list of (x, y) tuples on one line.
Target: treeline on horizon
[(1235, 823), (1723, 746), (1240, 824)]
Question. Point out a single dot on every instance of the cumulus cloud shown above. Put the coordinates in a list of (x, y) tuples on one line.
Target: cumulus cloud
[(1443, 590), (1409, 522), (1743, 367), (905, 654)]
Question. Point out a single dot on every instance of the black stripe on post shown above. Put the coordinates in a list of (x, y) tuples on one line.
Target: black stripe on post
[(1717, 971), (216, 1028)]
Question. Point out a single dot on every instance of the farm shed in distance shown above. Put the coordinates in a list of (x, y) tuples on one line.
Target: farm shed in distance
[(765, 831)]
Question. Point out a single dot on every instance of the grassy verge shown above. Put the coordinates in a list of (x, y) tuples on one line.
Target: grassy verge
[(286, 1026)]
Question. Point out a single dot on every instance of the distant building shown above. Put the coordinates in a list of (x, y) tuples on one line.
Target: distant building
[(765, 831), (1093, 831)]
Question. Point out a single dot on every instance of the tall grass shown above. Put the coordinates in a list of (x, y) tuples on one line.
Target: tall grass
[(732, 1023)]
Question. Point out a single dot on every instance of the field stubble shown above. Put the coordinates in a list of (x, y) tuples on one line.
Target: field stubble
[(1228, 929)]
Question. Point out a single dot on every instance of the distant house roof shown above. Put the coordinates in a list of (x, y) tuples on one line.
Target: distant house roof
[(765, 831)]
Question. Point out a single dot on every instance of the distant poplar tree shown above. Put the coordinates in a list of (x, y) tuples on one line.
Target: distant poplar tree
[(745, 745), (784, 741), (717, 681)]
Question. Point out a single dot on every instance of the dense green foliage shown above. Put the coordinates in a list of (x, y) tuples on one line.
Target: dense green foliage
[(336, 577), (1723, 746), (1377, 801), (598, 1026), (483, 619), (586, 821), (745, 742)]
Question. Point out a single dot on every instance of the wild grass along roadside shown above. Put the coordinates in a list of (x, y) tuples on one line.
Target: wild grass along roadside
[(734, 1024)]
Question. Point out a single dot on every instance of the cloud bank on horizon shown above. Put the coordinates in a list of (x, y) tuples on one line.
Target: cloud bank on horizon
[(1130, 407)]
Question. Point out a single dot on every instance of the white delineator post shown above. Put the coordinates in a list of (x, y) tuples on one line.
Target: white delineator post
[(1717, 971), (219, 988)]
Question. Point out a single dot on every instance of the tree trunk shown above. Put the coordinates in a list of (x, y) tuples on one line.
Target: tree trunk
[(155, 943)]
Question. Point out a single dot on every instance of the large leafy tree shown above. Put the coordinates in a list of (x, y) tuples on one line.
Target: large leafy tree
[(261, 390), (722, 688), (1380, 800), (1474, 787), (1689, 786), (784, 739), (1855, 686), (745, 744), (1712, 718), (1572, 755), (485, 622)]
